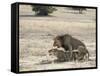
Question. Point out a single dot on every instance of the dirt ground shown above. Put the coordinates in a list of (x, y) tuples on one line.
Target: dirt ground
[(37, 33)]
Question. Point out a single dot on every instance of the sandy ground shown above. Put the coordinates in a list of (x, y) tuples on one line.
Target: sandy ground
[(37, 33)]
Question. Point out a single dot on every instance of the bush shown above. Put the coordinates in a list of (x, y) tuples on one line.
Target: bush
[(79, 9), (43, 10)]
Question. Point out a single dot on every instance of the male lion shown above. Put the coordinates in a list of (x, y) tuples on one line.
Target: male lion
[(67, 42), (70, 43)]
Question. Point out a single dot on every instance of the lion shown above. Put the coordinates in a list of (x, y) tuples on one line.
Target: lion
[(62, 55), (67, 42), (59, 54), (70, 43)]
